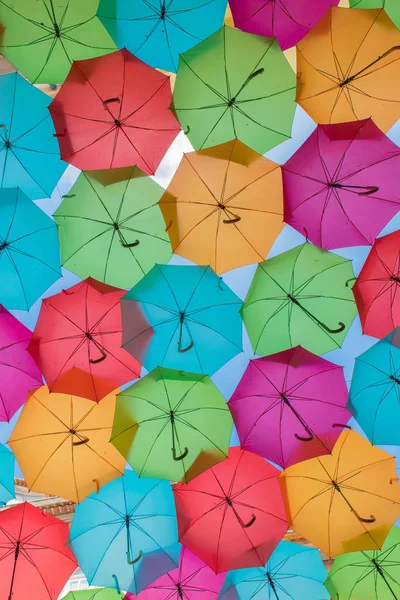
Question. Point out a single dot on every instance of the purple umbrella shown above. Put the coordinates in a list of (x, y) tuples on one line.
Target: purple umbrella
[(290, 406)]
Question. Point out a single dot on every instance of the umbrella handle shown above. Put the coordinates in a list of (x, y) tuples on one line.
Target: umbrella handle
[(341, 425), (182, 350), (95, 361), (394, 479), (250, 523), (234, 220), (116, 99), (370, 190), (351, 279), (81, 442), (57, 135), (182, 456), (304, 439), (187, 130), (341, 327), (168, 226), (69, 195), (135, 560), (126, 245), (97, 482), (372, 519), (117, 584)]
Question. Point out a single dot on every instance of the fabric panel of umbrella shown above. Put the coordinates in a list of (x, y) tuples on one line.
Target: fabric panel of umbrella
[(392, 7), (96, 594), (7, 465)]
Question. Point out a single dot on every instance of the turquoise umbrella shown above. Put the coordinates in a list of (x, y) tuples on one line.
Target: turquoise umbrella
[(7, 462)]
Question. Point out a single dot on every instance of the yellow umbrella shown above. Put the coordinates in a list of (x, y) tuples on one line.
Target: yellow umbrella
[(61, 443)]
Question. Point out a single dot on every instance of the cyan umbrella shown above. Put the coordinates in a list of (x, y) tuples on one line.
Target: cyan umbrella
[(7, 461)]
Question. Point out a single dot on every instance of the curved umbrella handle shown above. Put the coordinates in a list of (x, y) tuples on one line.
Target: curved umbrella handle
[(126, 245), (236, 219), (250, 523), (187, 130), (304, 439), (182, 350), (168, 226), (341, 327), (341, 425), (351, 279), (95, 361), (372, 519), (181, 456), (116, 99), (135, 560), (81, 442), (97, 482), (116, 583), (370, 189)]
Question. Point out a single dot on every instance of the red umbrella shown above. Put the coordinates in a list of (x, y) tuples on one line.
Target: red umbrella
[(113, 111), (34, 560), (77, 341), (232, 516)]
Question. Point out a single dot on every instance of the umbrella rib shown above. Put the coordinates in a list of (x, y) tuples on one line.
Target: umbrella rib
[(187, 159), (31, 21), (207, 85), (24, 168), (218, 333), (134, 147), (31, 561)]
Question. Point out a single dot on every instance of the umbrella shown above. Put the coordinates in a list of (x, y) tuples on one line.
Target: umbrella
[(172, 425), (33, 556), (232, 516), (224, 206), (392, 7), (341, 187), (347, 68), (345, 501), (157, 32), (235, 85), (29, 153), (96, 594), (18, 371), (62, 444), (300, 297), (290, 406), (29, 250), (111, 228), (293, 571), (125, 536), (192, 320), (77, 341), (7, 463), (113, 111)]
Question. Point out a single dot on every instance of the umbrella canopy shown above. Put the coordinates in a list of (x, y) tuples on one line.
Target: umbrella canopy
[(96, 594), (348, 68), (69, 436), (341, 187), (224, 206), (172, 425), (235, 85), (300, 297), (29, 153), (77, 341), (29, 250), (158, 32), (290, 406), (392, 7), (232, 516), (111, 228), (7, 463), (125, 536), (33, 554), (113, 111), (345, 501), (192, 320)]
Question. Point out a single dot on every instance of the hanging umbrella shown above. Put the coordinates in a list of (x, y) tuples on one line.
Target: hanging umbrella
[(112, 111), (111, 228), (235, 85), (232, 516), (191, 320), (34, 559), (223, 206), (341, 187), (156, 31), (345, 501), (29, 153), (300, 297), (7, 464), (172, 425), (392, 7), (347, 68), (290, 406), (125, 536), (77, 341), (29, 251), (96, 594)]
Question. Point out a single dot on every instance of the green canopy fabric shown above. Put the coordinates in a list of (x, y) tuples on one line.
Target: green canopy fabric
[(392, 7), (95, 594)]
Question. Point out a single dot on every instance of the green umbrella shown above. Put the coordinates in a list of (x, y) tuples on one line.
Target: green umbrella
[(301, 297), (392, 7), (235, 85), (95, 594), (172, 425), (111, 228), (367, 575)]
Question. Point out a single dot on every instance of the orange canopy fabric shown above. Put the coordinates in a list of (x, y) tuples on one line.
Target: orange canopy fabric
[(224, 206), (348, 68)]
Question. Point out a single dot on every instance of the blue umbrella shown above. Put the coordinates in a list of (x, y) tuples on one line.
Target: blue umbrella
[(29, 153), (193, 320), (7, 462), (126, 536)]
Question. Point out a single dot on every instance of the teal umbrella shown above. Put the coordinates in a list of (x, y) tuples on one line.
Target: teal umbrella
[(7, 462)]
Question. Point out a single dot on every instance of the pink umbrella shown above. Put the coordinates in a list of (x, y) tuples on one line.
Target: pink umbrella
[(18, 371), (287, 20), (290, 406)]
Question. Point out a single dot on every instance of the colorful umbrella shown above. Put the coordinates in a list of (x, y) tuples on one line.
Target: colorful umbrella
[(300, 297), (112, 111), (345, 501), (33, 556), (290, 406), (224, 206), (29, 153), (7, 464), (235, 85), (96, 594), (111, 228), (29, 251), (392, 7), (125, 536), (192, 320), (77, 341), (347, 68), (232, 516), (159, 31), (341, 187), (172, 425)]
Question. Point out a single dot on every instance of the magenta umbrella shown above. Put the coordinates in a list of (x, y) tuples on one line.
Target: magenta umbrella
[(290, 406), (341, 186)]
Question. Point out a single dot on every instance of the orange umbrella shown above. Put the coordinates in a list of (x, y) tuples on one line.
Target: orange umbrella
[(345, 501), (224, 206), (348, 68)]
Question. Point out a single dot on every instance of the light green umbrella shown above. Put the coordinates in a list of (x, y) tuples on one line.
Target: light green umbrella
[(392, 7), (95, 594)]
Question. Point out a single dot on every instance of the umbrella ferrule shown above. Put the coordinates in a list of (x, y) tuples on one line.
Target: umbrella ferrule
[(17, 549), (179, 590), (395, 278), (181, 317), (395, 379)]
